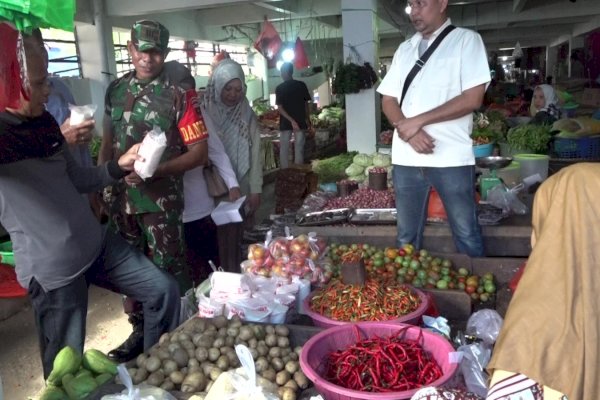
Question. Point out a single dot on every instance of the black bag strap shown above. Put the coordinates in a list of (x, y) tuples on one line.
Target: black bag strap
[(423, 59)]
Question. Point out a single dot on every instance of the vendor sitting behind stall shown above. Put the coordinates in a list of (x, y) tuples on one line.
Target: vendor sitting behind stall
[(545, 109)]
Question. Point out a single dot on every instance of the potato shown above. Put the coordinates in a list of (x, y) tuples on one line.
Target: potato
[(277, 364), (254, 353), (191, 353), (298, 350), (169, 366), (213, 354), (233, 331), (201, 354), (229, 341), (210, 327), (132, 371), (205, 341), (223, 363), (220, 321), (252, 343), (182, 337), (282, 330), (293, 356), (286, 393), (194, 382), (274, 352), (206, 367), (235, 321), (177, 377), (193, 362), (261, 364), (282, 377), (187, 344), (156, 378), (167, 385), (262, 349), (173, 346), (197, 324), (215, 373), (269, 374), (140, 376), (270, 330), (271, 340), (301, 379), (164, 338), (140, 361), (283, 341), (259, 332), (292, 385), (246, 333), (218, 342), (196, 338), (181, 357), (292, 367), (152, 363)]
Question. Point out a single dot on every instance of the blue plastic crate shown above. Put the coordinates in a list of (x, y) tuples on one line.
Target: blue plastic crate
[(584, 148)]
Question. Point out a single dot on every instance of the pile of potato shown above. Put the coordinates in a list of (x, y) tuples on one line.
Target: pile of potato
[(192, 357)]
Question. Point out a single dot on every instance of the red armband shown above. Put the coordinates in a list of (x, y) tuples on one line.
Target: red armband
[(191, 124)]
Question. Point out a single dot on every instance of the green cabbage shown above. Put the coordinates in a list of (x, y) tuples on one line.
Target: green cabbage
[(362, 159), (354, 169), (382, 160)]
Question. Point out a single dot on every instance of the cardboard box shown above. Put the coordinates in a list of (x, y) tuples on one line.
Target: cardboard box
[(591, 97)]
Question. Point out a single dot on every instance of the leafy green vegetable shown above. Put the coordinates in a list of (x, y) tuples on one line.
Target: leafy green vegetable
[(528, 136), (332, 169), (94, 147)]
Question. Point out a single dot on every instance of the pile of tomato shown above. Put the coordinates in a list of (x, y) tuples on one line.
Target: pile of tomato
[(416, 267)]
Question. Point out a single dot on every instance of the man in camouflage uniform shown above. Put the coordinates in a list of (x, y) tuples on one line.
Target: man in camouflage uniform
[(148, 213)]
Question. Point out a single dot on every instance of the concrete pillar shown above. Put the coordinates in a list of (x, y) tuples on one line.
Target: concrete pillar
[(96, 51), (551, 57), (360, 32)]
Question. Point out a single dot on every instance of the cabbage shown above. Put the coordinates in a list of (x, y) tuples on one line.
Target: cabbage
[(357, 178), (382, 160), (362, 159), (354, 169)]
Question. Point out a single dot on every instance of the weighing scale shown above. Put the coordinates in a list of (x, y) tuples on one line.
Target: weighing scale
[(493, 164)]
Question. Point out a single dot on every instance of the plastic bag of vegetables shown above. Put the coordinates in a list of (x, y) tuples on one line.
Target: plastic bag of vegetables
[(242, 383), (141, 392)]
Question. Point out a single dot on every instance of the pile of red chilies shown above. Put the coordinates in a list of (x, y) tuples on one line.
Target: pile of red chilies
[(390, 364)]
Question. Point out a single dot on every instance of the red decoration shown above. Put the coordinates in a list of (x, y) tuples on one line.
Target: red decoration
[(300, 57), (268, 43), (10, 70)]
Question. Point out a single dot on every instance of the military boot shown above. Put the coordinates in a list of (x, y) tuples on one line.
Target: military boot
[(134, 344)]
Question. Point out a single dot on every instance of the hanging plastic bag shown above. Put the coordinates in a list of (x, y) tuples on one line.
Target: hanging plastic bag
[(242, 383), (10, 68), (26, 16), (141, 392), (268, 43), (506, 199)]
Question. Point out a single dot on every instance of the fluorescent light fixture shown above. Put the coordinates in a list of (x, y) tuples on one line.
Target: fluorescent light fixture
[(504, 58), (506, 48)]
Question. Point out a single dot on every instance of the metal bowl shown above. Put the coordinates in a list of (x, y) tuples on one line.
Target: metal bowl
[(493, 162)]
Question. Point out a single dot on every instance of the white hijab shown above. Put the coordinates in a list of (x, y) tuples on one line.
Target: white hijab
[(550, 97)]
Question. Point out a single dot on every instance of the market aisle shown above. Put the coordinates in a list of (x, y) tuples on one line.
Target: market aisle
[(20, 365)]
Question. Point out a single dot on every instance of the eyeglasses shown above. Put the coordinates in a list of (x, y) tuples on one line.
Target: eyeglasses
[(415, 5)]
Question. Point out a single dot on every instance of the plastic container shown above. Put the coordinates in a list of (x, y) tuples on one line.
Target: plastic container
[(572, 148), (510, 175), (339, 338), (412, 318), (507, 151), (483, 150), (532, 164), (6, 254)]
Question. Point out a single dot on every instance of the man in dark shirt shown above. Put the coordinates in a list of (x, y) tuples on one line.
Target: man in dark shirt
[(60, 248), (292, 99)]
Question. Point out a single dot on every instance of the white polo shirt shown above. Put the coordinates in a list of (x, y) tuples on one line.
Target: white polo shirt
[(459, 63)]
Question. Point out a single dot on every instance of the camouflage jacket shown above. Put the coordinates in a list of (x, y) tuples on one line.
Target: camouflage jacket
[(134, 108)]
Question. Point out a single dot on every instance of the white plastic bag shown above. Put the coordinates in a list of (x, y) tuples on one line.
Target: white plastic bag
[(80, 114), (209, 308), (152, 148), (242, 383), (141, 392), (507, 200)]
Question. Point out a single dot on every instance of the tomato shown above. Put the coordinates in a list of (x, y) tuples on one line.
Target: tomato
[(470, 289), (489, 287), (446, 263), (484, 297), (441, 284), (462, 271), (488, 276), (390, 252), (472, 280)]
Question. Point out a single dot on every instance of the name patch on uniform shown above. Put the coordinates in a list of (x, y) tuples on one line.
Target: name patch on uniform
[(191, 125)]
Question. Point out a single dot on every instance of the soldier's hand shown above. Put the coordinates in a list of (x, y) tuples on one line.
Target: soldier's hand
[(133, 179)]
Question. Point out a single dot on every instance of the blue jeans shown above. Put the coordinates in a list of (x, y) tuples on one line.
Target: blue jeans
[(60, 314), (284, 147), (456, 187)]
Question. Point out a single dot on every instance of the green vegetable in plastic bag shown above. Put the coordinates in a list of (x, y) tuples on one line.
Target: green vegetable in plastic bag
[(382, 160)]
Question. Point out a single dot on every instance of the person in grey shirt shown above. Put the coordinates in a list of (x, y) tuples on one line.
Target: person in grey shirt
[(59, 246)]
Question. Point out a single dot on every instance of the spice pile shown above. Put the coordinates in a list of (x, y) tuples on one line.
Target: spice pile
[(386, 364), (377, 300)]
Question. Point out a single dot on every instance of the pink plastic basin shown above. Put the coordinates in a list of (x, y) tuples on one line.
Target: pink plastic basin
[(412, 318), (315, 350)]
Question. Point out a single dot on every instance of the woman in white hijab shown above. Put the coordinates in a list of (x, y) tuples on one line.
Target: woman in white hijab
[(545, 102), (228, 114)]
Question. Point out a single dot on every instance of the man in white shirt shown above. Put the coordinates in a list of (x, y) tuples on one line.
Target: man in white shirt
[(432, 147)]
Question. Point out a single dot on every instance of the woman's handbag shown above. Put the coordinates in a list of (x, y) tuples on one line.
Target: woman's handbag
[(214, 182)]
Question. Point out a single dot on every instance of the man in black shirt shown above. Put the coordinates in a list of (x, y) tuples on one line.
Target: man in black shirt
[(292, 98)]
